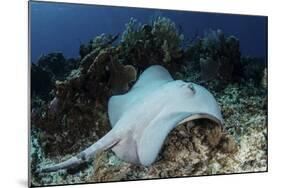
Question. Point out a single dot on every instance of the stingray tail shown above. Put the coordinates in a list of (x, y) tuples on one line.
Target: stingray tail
[(106, 142)]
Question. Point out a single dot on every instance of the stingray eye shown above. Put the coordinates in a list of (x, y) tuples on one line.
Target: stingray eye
[(190, 86)]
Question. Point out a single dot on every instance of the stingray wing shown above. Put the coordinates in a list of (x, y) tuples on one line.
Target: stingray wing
[(155, 74), (154, 135), (151, 141), (172, 102), (182, 102), (149, 81)]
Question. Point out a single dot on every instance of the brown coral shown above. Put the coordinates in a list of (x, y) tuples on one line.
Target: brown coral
[(120, 77)]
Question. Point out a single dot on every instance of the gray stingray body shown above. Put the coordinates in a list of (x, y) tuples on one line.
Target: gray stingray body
[(142, 118)]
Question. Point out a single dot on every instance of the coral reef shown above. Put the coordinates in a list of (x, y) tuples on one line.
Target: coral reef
[(216, 61), (168, 38), (81, 99), (69, 105), (99, 42), (219, 56), (47, 70), (158, 43), (54, 63), (120, 78), (132, 34), (41, 82), (253, 69)]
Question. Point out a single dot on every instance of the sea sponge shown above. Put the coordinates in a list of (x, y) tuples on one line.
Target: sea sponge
[(120, 77)]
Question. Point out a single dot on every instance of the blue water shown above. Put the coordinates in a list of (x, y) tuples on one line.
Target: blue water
[(63, 27)]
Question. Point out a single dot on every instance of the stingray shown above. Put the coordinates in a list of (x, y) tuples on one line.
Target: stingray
[(142, 118)]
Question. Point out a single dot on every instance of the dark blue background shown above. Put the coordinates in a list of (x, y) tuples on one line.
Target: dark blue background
[(63, 27)]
